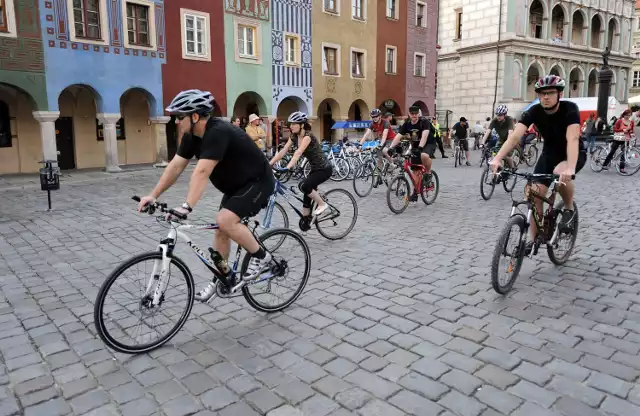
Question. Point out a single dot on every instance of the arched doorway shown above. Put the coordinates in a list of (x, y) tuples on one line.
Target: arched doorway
[(576, 81), (289, 105), (592, 84), (613, 34), (359, 110), (596, 30), (579, 35), (557, 23), (136, 141), (423, 108), (536, 19), (78, 135), (534, 73), (557, 70), (390, 106), (328, 112), (20, 138), (249, 102)]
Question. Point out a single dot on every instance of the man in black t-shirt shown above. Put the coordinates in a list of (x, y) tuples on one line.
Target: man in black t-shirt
[(563, 152), (231, 161), (460, 132)]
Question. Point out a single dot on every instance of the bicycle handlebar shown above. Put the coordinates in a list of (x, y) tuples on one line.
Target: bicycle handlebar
[(529, 176), (161, 206)]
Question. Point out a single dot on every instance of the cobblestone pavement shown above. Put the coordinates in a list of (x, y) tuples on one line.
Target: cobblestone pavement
[(398, 318)]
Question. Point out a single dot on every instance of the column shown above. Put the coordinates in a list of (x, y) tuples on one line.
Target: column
[(270, 141), (160, 138), (47, 120), (109, 121), (525, 76)]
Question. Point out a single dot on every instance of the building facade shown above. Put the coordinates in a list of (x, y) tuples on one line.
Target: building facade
[(344, 77), (493, 55), (391, 53), (422, 29), (248, 49), (195, 59), (634, 85), (23, 92)]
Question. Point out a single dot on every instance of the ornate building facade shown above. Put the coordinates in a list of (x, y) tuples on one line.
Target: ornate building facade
[(634, 85)]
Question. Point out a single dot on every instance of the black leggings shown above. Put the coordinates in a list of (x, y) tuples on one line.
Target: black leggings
[(311, 182), (614, 146)]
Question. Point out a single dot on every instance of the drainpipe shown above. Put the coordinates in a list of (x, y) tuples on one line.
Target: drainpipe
[(495, 91)]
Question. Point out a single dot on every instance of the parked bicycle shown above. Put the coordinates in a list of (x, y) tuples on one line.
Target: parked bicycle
[(548, 232), (627, 153), (148, 295)]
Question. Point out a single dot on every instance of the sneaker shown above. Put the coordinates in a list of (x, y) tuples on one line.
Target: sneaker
[(256, 267), (445, 157), (468, 163), (413, 198), (206, 293), (528, 248), (566, 220), (320, 210)]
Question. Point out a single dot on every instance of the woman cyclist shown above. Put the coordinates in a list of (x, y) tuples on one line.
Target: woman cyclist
[(308, 146)]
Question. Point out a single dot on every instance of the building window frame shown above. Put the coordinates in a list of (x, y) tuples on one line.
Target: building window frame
[(392, 9), (362, 64), (359, 5), (394, 63), (206, 36), (256, 58), (422, 67), (325, 69), (287, 38), (331, 7), (458, 34), (151, 17), (104, 25), (421, 21), (635, 82)]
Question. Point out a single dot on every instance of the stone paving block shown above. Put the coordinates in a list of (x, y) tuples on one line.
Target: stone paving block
[(294, 391), (576, 390), (372, 383), (498, 399), (430, 389), (496, 376), (128, 392), (533, 373), (414, 404), (461, 404), (318, 405), (330, 386), (53, 407), (263, 400), (143, 407), (572, 407), (353, 398), (378, 407), (533, 393), (430, 368)]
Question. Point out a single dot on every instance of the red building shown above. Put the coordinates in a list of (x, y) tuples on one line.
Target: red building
[(195, 54)]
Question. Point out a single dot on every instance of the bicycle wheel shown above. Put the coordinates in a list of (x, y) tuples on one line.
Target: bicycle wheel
[(632, 162), (487, 184), (363, 181), (509, 182), (340, 169), (552, 249), (516, 254), (279, 219), (517, 156), (456, 157), (597, 158), (430, 191), (399, 189), (354, 165), (341, 203), (531, 156), (284, 266), (120, 316)]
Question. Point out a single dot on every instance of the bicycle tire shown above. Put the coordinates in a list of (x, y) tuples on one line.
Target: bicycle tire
[(629, 172), (483, 178), (339, 173), (365, 175), (245, 263), (520, 221), (597, 158), (353, 221), (99, 323), (400, 180), (509, 187), (436, 180), (277, 206), (532, 157), (558, 261), (456, 156)]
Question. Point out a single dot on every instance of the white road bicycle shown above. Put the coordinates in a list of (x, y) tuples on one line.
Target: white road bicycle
[(149, 295)]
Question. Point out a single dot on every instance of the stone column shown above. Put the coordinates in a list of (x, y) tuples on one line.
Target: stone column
[(160, 139), (109, 121), (47, 120), (604, 86)]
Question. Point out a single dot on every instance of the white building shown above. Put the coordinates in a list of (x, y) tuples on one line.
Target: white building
[(493, 51), (635, 53)]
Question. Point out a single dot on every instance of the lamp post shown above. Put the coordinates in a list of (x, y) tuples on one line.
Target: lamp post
[(604, 89)]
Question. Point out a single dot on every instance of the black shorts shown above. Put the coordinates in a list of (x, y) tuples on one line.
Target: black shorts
[(247, 201), (547, 163), (463, 143), (416, 156)]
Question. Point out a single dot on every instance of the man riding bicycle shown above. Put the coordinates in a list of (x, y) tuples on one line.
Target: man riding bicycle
[(503, 125), (563, 152), (380, 129), (235, 166), (460, 132), (419, 131)]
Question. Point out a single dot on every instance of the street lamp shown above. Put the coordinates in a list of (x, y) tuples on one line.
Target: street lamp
[(604, 78)]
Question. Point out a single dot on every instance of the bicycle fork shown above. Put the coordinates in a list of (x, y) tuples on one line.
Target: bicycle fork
[(158, 277)]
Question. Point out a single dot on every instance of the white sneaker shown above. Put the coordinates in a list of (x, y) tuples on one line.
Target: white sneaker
[(206, 293), (320, 210), (256, 267)]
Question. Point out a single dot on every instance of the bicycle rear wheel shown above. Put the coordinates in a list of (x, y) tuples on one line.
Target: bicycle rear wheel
[(552, 249), (632, 162), (597, 158), (284, 264), (515, 254), (531, 156), (119, 317), (363, 180), (341, 204), (487, 184)]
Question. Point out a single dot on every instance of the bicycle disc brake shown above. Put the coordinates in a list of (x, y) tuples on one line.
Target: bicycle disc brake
[(304, 224)]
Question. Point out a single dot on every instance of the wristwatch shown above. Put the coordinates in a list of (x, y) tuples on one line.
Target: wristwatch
[(187, 207)]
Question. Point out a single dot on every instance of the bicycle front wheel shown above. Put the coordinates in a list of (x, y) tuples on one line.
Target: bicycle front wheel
[(290, 259), (334, 224), (597, 158), (531, 156), (487, 184), (398, 190), (363, 180), (457, 159), (113, 320), (515, 226)]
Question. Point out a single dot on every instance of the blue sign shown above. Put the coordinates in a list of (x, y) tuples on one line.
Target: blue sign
[(352, 124)]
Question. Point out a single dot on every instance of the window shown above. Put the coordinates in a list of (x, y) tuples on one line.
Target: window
[(246, 41), (358, 9), (357, 64), (5, 125), (331, 6), (458, 34), (195, 34), (330, 60), (86, 18), (291, 49), (418, 65), (138, 24), (390, 66), (4, 27), (636, 79), (392, 9), (421, 14)]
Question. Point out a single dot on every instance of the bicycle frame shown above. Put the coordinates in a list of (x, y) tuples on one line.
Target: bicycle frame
[(532, 211)]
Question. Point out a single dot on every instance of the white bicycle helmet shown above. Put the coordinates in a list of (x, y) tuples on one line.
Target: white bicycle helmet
[(501, 110), (298, 117), (191, 101), (550, 81)]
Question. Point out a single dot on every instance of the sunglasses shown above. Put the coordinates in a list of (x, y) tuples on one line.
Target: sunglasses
[(181, 117)]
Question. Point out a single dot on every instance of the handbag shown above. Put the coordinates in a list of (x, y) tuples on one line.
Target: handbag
[(619, 136)]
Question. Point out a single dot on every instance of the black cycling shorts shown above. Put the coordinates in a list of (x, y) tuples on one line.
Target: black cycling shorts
[(416, 156), (247, 201), (547, 163)]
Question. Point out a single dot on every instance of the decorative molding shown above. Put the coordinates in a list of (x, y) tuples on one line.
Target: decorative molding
[(257, 9)]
